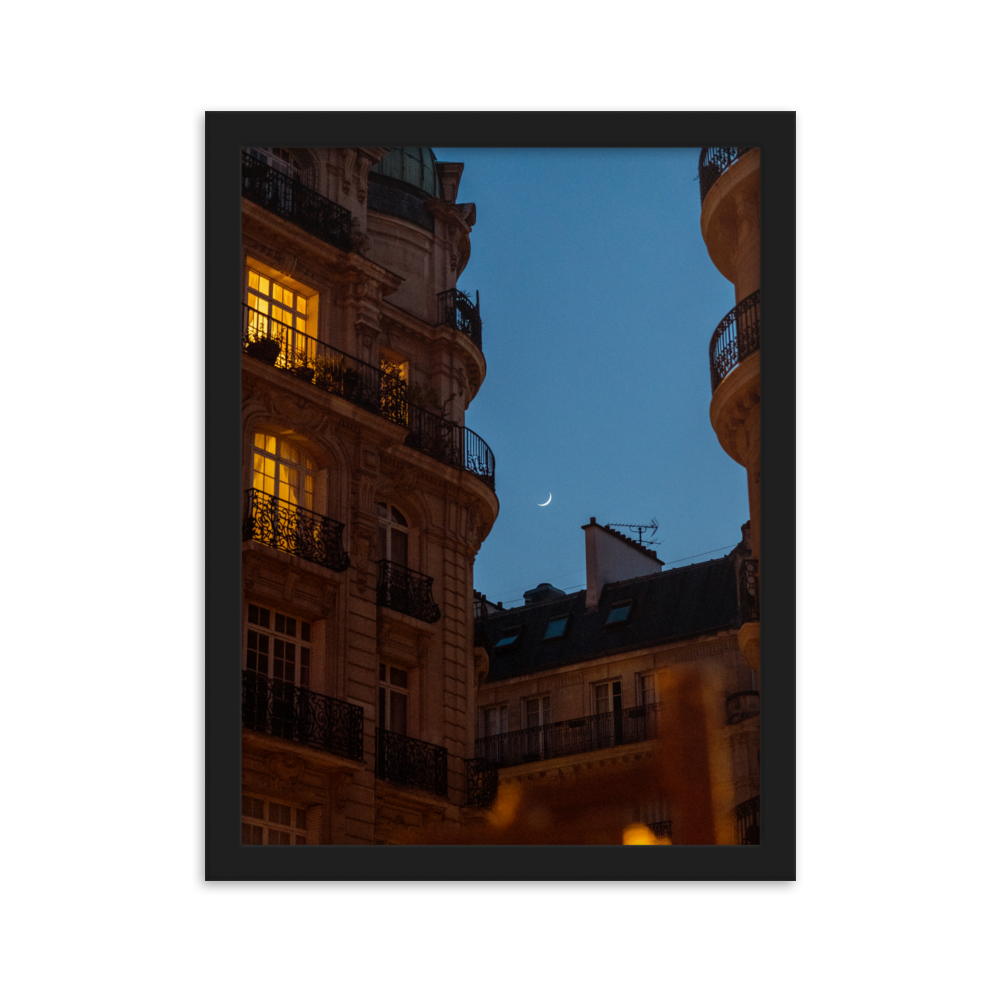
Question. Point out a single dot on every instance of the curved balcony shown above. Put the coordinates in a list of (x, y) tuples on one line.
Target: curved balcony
[(292, 200), (277, 708), (406, 591), (735, 338), (458, 310), (411, 762), (322, 365), (715, 161), (286, 526)]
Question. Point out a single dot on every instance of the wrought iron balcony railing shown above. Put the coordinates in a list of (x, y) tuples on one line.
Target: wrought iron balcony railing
[(451, 443), (405, 590), (742, 705), (411, 762), (661, 828), (749, 593), (286, 526), (748, 821), (714, 162), (560, 739), (735, 338), (292, 200), (377, 391), (458, 310), (482, 782), (278, 708), (320, 363)]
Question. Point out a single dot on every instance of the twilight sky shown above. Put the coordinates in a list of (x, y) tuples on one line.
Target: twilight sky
[(598, 301)]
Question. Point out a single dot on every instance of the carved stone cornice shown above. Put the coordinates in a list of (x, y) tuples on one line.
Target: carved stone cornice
[(714, 647), (284, 771)]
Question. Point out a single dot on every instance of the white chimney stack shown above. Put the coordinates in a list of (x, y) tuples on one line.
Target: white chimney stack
[(612, 556)]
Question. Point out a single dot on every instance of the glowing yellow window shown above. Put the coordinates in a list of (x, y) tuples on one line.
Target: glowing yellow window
[(280, 313), (284, 471)]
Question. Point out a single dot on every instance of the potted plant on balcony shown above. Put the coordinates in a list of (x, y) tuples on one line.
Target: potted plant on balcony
[(303, 368), (264, 349)]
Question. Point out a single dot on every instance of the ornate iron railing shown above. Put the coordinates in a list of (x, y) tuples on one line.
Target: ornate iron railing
[(292, 200), (742, 705), (291, 528), (661, 828), (278, 708), (735, 338), (749, 592), (411, 762), (560, 739), (378, 391), (715, 161), (452, 444), (458, 310), (482, 782), (748, 821), (406, 591), (320, 363)]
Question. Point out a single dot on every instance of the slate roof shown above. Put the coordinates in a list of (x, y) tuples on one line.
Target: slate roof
[(687, 601)]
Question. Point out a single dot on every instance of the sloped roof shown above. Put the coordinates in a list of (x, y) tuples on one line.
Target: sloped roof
[(687, 601)]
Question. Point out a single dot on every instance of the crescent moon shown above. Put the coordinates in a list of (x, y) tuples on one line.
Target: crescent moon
[(547, 502)]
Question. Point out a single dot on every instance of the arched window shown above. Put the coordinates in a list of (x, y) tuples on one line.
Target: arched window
[(393, 535), (282, 470)]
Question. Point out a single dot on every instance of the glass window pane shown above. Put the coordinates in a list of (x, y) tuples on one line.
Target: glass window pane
[(300, 304), (306, 632), (264, 286), (254, 279), (397, 677)]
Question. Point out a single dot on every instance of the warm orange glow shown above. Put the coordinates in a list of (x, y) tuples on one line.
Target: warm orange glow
[(638, 835), (504, 810)]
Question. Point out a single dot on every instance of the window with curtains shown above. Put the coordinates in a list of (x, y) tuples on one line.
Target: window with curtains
[(284, 471)]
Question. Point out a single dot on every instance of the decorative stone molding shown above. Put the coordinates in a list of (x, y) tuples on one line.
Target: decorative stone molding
[(284, 771), (291, 579), (362, 539), (714, 647)]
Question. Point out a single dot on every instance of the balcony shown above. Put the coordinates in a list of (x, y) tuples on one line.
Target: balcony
[(749, 593), (560, 739), (277, 708), (714, 162), (411, 762), (292, 200), (481, 783), (451, 443), (735, 338), (742, 705), (748, 821), (290, 528), (320, 364), (406, 591), (457, 310)]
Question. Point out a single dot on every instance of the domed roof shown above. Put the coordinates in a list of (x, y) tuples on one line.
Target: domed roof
[(412, 165)]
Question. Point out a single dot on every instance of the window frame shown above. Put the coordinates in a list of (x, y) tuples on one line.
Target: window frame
[(268, 826)]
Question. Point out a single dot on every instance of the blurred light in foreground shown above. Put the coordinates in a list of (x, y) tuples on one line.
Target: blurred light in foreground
[(638, 835)]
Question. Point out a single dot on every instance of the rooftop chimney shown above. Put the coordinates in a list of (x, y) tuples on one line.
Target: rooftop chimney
[(543, 592), (612, 556)]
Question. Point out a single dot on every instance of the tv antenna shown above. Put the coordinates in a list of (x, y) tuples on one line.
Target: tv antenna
[(639, 529)]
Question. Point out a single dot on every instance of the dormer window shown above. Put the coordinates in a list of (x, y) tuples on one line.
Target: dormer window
[(556, 628), (619, 614), (509, 637)]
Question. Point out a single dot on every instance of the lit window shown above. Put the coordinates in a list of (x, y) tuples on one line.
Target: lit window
[(557, 628), (282, 470), (619, 615), (393, 691), (266, 821), (278, 312)]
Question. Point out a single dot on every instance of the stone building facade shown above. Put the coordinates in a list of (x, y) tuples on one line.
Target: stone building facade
[(365, 498)]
